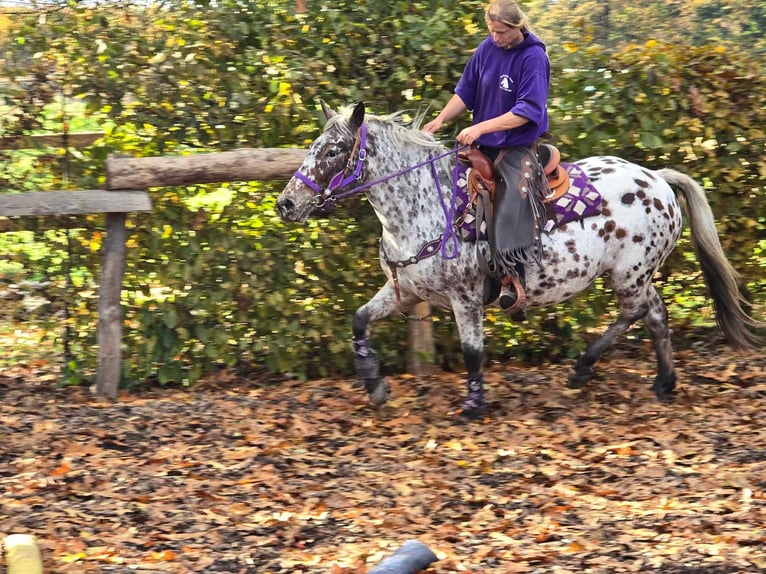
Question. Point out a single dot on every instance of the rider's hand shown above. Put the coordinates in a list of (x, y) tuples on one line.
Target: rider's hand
[(432, 126), (468, 135)]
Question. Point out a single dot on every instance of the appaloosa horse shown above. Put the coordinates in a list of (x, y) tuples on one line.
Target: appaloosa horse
[(408, 179)]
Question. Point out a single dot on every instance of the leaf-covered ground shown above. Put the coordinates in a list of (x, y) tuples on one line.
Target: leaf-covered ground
[(257, 476)]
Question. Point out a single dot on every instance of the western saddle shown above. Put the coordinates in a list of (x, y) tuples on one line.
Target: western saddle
[(483, 172)]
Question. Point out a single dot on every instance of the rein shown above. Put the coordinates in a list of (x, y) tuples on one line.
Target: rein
[(326, 200), (340, 179)]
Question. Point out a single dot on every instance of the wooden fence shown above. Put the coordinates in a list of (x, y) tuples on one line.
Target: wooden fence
[(115, 204), (127, 180)]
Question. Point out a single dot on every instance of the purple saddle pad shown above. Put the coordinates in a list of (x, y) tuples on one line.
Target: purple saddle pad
[(580, 201)]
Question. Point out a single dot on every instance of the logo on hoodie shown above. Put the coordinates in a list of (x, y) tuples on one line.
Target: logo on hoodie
[(506, 83)]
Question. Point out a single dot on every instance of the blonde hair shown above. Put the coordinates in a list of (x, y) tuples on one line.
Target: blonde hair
[(506, 12)]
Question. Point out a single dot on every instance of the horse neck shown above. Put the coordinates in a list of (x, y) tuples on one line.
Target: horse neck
[(409, 205)]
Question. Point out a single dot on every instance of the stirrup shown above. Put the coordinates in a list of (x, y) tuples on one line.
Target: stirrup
[(508, 298), (518, 298)]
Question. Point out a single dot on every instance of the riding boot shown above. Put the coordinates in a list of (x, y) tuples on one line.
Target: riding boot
[(514, 230), (492, 289), (513, 297)]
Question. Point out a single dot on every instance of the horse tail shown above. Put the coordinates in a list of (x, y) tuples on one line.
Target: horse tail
[(729, 294)]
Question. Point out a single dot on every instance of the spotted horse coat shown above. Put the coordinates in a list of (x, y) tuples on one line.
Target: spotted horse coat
[(407, 177)]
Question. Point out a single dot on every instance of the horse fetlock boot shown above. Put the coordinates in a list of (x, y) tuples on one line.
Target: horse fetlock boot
[(367, 367), (474, 404)]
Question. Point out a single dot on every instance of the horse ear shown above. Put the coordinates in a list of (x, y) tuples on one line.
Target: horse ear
[(357, 116), (328, 111)]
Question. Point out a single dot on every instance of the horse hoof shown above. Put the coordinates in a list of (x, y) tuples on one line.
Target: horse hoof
[(470, 412), (578, 380), (665, 388), (379, 393), (665, 396)]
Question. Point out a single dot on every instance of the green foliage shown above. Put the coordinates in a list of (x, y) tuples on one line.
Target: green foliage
[(214, 278)]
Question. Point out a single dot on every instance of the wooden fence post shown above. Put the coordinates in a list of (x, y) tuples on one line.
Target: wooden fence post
[(421, 350), (109, 334)]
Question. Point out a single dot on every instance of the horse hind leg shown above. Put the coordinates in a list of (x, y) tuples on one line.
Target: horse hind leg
[(583, 369), (654, 313), (656, 320), (469, 320)]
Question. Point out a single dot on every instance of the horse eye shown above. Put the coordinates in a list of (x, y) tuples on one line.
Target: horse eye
[(335, 151)]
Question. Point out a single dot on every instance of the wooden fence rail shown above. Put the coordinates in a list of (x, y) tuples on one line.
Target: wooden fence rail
[(74, 139), (239, 165), (124, 175), (115, 204)]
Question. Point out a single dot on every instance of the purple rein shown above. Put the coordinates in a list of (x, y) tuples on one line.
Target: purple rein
[(326, 198)]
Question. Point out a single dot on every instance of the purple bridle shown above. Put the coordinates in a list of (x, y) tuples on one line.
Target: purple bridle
[(325, 198)]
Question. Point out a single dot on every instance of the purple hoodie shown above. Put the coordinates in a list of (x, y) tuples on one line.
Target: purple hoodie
[(498, 80)]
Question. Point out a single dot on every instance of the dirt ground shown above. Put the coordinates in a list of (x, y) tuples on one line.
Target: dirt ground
[(280, 477)]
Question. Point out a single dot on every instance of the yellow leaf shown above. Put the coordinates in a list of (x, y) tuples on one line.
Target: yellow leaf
[(570, 47), (164, 556), (454, 444), (70, 558)]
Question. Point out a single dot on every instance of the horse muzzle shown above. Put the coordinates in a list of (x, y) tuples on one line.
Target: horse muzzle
[(288, 210), (295, 208)]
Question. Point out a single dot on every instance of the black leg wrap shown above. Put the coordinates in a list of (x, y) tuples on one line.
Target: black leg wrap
[(371, 385), (368, 369), (367, 366), (474, 405)]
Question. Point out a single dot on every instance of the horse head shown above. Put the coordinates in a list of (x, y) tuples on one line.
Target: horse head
[(333, 161)]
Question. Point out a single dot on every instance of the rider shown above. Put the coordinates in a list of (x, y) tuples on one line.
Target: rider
[(505, 85)]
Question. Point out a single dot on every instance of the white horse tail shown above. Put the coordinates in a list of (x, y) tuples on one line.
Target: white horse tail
[(725, 285)]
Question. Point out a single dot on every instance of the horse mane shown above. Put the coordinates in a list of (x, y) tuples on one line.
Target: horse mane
[(402, 132)]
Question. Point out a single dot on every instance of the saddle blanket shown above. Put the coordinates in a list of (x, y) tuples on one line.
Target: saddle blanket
[(580, 201)]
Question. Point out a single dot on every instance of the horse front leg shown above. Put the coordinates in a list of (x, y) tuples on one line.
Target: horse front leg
[(470, 319), (383, 304)]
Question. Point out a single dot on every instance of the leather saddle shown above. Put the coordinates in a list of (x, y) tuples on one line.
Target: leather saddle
[(482, 175), (558, 178), (481, 179)]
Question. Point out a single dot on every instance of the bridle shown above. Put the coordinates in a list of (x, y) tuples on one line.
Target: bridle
[(325, 198)]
